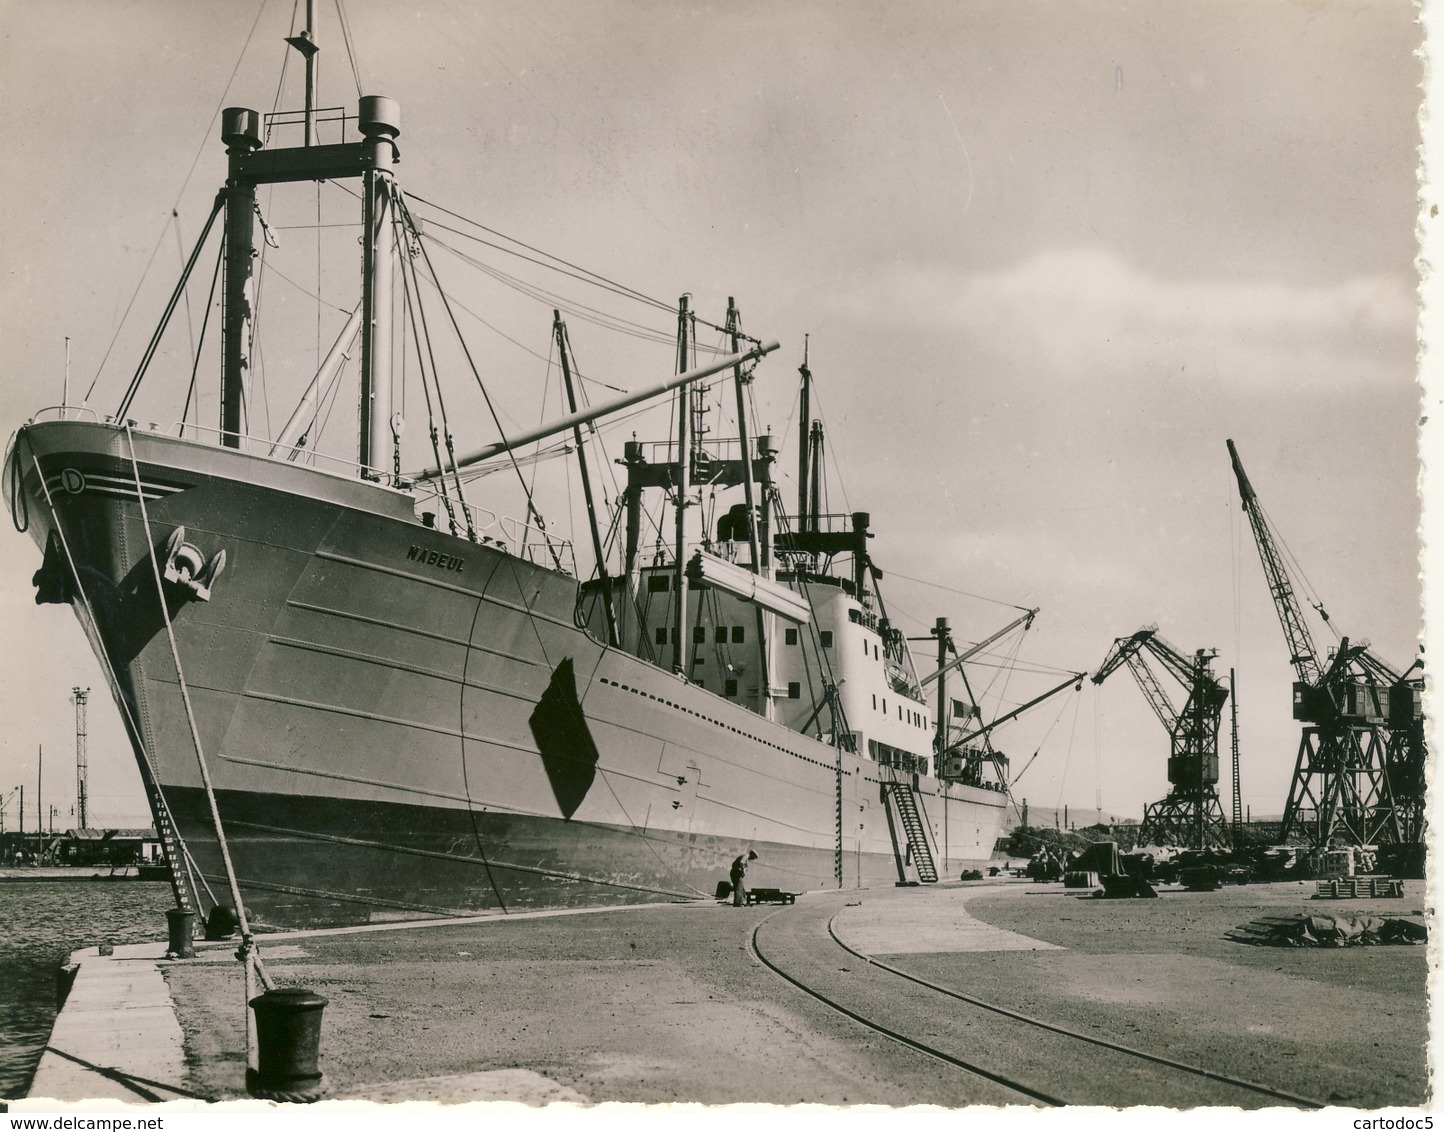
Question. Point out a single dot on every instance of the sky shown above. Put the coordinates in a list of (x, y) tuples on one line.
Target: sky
[(1047, 257)]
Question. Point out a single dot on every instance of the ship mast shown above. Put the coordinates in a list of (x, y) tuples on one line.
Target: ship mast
[(757, 541), (804, 427), (251, 165), (684, 486), (241, 131), (306, 44), (376, 436), (559, 328)]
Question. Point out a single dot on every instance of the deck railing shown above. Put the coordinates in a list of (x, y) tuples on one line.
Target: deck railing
[(523, 539)]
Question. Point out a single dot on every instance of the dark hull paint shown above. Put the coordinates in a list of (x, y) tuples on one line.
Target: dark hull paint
[(311, 862)]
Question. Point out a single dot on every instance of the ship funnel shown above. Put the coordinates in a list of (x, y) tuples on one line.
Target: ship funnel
[(379, 117), (240, 129)]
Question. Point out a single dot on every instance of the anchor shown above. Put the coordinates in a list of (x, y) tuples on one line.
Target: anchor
[(186, 567), (52, 581)]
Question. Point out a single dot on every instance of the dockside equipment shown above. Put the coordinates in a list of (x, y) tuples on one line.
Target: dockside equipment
[(1359, 774), (1191, 815)]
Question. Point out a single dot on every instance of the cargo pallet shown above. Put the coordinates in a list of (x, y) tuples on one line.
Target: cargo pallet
[(1352, 888), (770, 896)]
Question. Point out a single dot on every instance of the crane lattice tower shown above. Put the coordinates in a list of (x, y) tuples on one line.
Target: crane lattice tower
[(81, 769), (1191, 815), (1237, 788), (1359, 774)]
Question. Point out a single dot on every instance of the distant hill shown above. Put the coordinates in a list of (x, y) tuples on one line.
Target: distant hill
[(1078, 818), (1044, 817)]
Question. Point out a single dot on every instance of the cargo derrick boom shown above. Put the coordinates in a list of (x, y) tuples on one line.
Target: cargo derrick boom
[(1359, 773), (1191, 815)]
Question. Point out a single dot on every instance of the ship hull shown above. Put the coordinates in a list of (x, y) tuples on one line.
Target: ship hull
[(398, 723)]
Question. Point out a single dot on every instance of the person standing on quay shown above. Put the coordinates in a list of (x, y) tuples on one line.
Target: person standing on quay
[(739, 878)]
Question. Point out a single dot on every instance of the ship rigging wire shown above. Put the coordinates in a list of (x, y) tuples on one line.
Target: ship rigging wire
[(149, 353), (588, 276), (249, 953), (400, 200), (829, 453), (541, 295), (180, 249), (1296, 576), (545, 298), (175, 205), (553, 299), (1068, 754), (953, 590), (409, 305), (285, 66), (580, 393), (412, 294), (108, 670), (200, 346), (347, 39), (1039, 749), (271, 269)]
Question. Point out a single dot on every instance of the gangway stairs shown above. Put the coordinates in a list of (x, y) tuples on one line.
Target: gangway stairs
[(182, 883), (919, 851)]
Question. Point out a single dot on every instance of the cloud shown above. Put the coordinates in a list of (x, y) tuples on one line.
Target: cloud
[(1077, 308)]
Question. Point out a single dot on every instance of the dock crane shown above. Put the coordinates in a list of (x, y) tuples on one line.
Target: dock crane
[(968, 751), (964, 749), (1191, 815), (1359, 774)]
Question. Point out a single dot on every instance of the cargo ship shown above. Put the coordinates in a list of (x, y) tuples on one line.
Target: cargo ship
[(369, 697)]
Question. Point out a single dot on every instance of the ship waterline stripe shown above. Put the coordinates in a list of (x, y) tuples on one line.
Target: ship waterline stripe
[(331, 556), (535, 870)]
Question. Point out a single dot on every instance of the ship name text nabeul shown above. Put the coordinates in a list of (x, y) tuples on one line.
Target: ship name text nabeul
[(435, 558)]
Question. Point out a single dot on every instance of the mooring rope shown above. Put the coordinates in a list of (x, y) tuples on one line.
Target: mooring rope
[(192, 869), (248, 953), (19, 505)]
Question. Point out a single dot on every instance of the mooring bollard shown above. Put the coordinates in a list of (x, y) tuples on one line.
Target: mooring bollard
[(182, 922), (64, 980), (221, 923), (288, 1043)]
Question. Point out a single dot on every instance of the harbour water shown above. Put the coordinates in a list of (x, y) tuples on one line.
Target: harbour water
[(41, 922)]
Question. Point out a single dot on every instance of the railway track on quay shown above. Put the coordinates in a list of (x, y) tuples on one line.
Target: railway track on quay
[(1014, 1058)]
